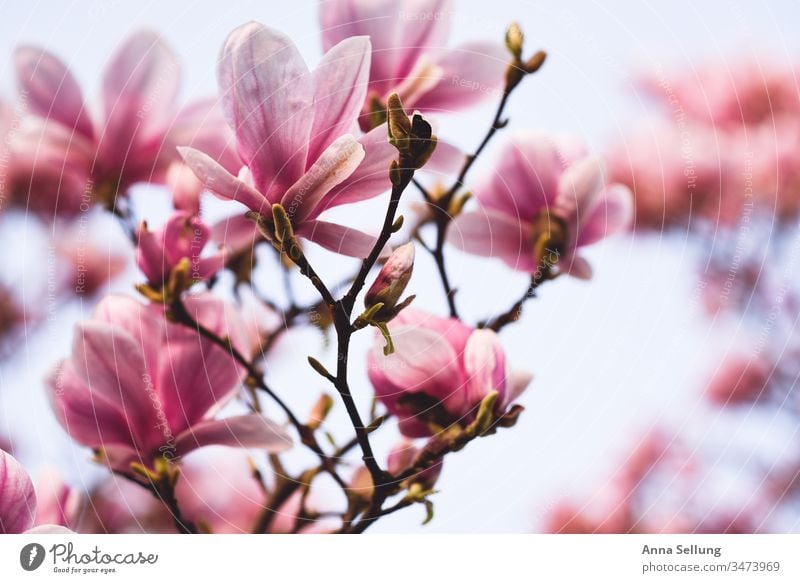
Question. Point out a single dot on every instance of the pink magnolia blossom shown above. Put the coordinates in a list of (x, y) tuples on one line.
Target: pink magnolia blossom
[(74, 155), (88, 264), (739, 380), (296, 133), (139, 386), (440, 372), (742, 90), (409, 54), (541, 204), (183, 237)]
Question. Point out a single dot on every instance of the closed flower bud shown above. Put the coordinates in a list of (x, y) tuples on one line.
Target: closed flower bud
[(391, 282)]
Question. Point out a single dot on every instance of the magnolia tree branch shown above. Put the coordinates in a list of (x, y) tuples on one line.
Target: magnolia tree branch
[(443, 206), (181, 315)]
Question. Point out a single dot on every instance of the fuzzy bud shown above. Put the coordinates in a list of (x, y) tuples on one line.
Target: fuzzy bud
[(391, 282)]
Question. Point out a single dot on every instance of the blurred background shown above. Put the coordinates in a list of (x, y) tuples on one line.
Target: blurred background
[(622, 362)]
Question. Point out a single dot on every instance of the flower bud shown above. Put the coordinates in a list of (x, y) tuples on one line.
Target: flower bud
[(514, 40), (391, 283)]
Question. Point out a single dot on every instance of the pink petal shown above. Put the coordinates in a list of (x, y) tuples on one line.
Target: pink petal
[(248, 431), (221, 182), (184, 236), (217, 486), (470, 74), (50, 90), (237, 233), (516, 383), (580, 268), (195, 377), (579, 189), (150, 254), (267, 95), (144, 323), (17, 497), (377, 19), (492, 234), (613, 212), (525, 179), (422, 361), (201, 125), (446, 159), (340, 88), (336, 163), (140, 84), (371, 178), (338, 238), (111, 362), (423, 36), (49, 529), (90, 418), (485, 365)]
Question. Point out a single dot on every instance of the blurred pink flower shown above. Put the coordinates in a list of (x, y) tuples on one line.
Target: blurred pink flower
[(402, 457), (87, 265), (183, 237), (138, 386), (185, 187), (73, 156), (220, 490), (17, 496), (440, 372), (739, 380), (57, 503), (743, 89), (544, 200), (293, 132), (409, 55)]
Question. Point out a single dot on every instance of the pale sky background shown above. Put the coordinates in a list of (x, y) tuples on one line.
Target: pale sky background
[(611, 357)]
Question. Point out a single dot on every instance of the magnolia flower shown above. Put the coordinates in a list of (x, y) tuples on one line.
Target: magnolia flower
[(409, 55), (296, 134), (182, 238), (440, 372), (18, 501), (742, 90), (739, 380), (540, 205), (74, 155), (139, 387), (293, 132)]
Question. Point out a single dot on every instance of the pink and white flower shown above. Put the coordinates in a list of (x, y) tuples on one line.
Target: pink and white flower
[(295, 134), (440, 372), (410, 57), (138, 386), (183, 237), (543, 201), (73, 155)]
